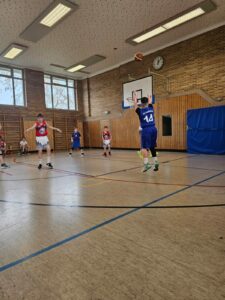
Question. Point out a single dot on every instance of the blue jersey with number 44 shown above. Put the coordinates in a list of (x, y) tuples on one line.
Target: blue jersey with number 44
[(146, 116)]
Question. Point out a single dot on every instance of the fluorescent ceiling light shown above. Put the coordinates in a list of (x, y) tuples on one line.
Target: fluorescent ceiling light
[(76, 68), (194, 12), (149, 34), (13, 51), (182, 19), (55, 15), (94, 59), (49, 18)]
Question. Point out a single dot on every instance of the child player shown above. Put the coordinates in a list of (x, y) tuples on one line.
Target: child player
[(149, 131), (2, 153), (41, 129), (23, 146), (106, 138), (75, 140)]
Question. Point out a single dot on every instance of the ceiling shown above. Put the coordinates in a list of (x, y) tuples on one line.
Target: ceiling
[(96, 28)]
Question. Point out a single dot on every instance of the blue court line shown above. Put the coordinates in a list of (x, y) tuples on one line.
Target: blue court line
[(102, 224)]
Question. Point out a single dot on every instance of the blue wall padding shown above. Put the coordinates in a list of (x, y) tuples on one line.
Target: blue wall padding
[(206, 130)]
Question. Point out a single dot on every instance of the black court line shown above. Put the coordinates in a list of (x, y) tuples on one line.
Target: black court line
[(4, 172), (119, 171), (35, 178), (99, 225), (98, 177), (57, 170), (112, 206), (132, 168), (71, 173), (141, 182), (92, 176), (109, 158), (198, 168), (163, 162), (178, 158), (157, 183), (80, 174), (114, 180), (124, 160)]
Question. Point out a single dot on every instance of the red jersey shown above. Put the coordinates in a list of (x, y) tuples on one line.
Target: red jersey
[(2, 145), (106, 135), (41, 129)]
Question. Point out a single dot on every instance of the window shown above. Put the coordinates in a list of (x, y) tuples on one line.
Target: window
[(167, 125), (11, 86), (60, 93)]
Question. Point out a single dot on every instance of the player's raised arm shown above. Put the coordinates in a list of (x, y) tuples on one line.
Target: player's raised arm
[(149, 99), (135, 100)]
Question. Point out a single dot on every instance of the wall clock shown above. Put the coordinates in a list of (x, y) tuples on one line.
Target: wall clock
[(158, 63)]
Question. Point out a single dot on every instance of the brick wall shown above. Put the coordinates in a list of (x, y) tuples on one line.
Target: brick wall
[(196, 63), (12, 117)]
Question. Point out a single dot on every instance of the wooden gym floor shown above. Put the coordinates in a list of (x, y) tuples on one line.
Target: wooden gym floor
[(98, 228)]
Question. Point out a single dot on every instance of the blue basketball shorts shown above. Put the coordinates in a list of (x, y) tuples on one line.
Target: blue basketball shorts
[(148, 137)]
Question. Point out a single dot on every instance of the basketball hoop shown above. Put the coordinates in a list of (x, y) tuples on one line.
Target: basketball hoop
[(130, 100)]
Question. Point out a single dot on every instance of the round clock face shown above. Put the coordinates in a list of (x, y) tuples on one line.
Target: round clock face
[(158, 63)]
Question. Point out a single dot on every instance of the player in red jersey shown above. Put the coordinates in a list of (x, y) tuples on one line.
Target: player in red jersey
[(106, 138), (2, 149), (2, 153), (41, 128)]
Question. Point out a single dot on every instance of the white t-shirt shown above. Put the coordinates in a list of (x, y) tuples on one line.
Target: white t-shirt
[(23, 143)]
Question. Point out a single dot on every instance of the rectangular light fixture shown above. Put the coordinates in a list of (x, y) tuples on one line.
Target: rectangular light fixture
[(13, 51), (55, 15), (76, 68), (86, 63), (63, 67), (149, 34), (188, 15)]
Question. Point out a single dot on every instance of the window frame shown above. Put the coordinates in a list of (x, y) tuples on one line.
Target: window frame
[(51, 84), (13, 85)]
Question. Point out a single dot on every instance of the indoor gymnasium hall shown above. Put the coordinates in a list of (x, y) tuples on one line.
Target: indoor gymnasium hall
[(112, 143)]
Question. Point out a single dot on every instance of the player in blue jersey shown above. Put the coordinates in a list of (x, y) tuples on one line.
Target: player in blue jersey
[(149, 131), (75, 140)]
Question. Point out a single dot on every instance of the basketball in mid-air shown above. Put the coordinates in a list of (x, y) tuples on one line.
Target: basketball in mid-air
[(138, 56)]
